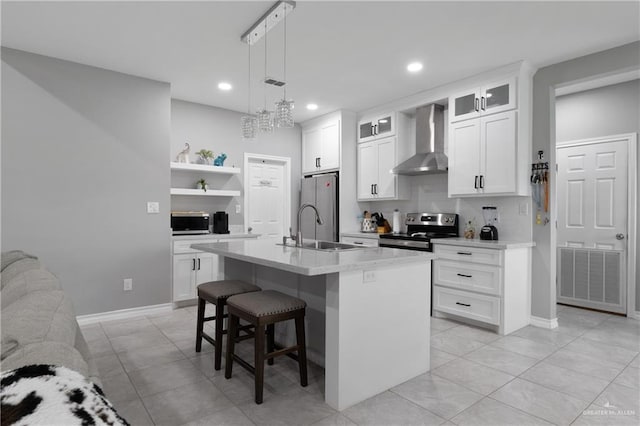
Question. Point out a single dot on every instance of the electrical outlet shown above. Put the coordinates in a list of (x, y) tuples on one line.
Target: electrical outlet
[(237, 208), (524, 209), (128, 284), (153, 207), (369, 276)]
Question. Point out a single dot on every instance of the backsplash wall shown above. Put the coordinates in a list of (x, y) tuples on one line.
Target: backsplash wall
[(429, 194)]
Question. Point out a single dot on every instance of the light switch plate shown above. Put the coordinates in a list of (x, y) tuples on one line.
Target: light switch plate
[(524, 209), (128, 284), (153, 207), (369, 276), (237, 208)]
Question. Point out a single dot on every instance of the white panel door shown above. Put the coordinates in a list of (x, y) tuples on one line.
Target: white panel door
[(464, 157), (330, 146), (266, 209), (498, 161), (592, 195), (386, 161), (367, 169)]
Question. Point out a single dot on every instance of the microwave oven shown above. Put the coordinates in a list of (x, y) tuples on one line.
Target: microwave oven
[(189, 223)]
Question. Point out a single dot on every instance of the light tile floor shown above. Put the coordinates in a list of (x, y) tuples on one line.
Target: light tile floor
[(587, 371)]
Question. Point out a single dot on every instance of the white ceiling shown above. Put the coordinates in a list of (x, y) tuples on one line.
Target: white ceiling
[(349, 55)]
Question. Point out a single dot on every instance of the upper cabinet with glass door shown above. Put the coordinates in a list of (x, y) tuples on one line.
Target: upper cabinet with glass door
[(491, 98), (380, 126)]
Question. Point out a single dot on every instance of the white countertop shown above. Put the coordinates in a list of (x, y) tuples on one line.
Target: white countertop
[(498, 245), (304, 261), (213, 236), (356, 234)]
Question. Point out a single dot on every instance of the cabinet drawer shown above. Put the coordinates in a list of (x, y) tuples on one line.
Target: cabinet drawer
[(469, 305), (468, 254), (367, 242), (467, 276), (184, 246)]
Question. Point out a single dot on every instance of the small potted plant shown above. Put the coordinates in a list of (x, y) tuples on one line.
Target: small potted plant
[(470, 229), (202, 184), (206, 156)]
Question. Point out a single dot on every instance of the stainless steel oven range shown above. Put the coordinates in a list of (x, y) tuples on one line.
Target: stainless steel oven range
[(421, 228)]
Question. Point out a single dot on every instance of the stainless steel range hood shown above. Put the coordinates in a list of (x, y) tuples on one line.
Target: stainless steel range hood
[(430, 157)]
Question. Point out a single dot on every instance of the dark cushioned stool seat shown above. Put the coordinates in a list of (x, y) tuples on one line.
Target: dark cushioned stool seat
[(214, 290), (263, 310), (267, 302), (217, 293)]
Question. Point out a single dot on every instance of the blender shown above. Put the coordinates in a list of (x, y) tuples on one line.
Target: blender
[(489, 230)]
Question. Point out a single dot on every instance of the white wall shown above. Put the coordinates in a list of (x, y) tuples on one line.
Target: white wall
[(619, 59), (599, 112), (83, 150), (218, 129)]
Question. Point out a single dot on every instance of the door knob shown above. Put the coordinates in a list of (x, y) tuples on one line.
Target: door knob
[(619, 236)]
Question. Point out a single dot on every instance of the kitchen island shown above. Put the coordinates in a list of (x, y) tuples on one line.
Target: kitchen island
[(368, 309)]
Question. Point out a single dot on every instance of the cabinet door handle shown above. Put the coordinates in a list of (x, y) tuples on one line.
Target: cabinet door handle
[(483, 103), (464, 253), (198, 264), (464, 275), (371, 189), (463, 304), (475, 183), (482, 181), (477, 104), (375, 188), (358, 242), (193, 266), (319, 161), (375, 129)]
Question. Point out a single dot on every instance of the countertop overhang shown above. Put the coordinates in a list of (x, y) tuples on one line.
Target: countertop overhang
[(267, 252)]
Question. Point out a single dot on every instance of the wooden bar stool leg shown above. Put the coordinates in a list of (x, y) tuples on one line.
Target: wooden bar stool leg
[(271, 341), (200, 324), (233, 326), (219, 330), (259, 362), (302, 350)]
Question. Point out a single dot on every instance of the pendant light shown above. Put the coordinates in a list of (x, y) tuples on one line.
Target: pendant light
[(265, 117), (284, 113), (249, 122)]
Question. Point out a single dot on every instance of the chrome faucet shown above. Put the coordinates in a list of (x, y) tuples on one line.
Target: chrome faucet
[(298, 237)]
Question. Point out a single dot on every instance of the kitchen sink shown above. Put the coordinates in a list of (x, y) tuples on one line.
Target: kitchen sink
[(328, 246)]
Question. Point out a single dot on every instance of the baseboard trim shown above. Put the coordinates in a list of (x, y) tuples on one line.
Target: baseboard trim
[(544, 323), (124, 313)]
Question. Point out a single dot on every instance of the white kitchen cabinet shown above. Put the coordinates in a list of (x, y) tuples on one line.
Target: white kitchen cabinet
[(380, 126), (490, 286), (192, 267), (375, 180), (321, 147), (483, 156), (487, 99)]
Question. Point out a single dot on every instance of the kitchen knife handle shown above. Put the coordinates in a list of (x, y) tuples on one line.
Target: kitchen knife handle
[(483, 103), (475, 183), (477, 104), (463, 304), (465, 253), (464, 275)]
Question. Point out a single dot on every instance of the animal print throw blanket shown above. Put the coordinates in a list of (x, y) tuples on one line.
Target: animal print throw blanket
[(51, 395)]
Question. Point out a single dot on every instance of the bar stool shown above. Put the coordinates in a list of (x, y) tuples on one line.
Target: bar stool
[(264, 309), (217, 293)]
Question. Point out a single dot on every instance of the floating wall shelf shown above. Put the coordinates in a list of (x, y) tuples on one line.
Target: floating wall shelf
[(208, 193), (189, 167)]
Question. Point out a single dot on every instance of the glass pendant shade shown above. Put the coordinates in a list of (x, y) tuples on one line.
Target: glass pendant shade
[(249, 125), (284, 113), (265, 121)]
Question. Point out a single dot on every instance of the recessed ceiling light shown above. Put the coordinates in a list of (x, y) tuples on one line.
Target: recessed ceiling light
[(414, 67), (312, 107), (224, 86)]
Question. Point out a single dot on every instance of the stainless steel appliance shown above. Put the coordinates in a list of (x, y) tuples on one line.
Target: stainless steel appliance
[(421, 228), (189, 223), (220, 223), (322, 192)]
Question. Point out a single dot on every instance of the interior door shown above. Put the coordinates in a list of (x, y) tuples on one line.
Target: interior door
[(266, 210), (592, 224)]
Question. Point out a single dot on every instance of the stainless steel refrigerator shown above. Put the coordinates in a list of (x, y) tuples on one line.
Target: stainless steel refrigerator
[(322, 192)]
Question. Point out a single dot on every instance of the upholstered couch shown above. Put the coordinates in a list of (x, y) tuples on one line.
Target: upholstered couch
[(38, 320)]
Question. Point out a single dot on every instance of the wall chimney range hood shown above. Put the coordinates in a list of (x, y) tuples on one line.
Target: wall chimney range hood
[(430, 157)]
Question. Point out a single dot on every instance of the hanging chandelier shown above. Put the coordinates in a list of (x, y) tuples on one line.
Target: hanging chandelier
[(266, 120)]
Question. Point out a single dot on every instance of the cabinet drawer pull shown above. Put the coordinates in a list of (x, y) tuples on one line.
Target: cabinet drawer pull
[(358, 242), (465, 253), (463, 304), (464, 275)]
